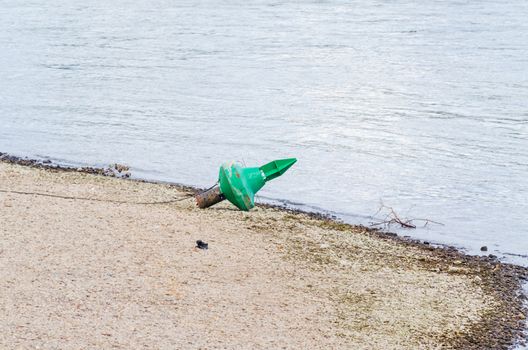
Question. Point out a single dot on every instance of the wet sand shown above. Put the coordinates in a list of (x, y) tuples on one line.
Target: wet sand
[(106, 270)]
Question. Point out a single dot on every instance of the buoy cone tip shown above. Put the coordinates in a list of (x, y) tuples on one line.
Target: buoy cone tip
[(277, 167)]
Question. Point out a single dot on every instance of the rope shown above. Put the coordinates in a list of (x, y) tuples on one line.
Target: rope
[(210, 188), (94, 199), (104, 200)]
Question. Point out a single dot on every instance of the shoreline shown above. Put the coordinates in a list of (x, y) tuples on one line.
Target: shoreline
[(112, 172), (501, 326)]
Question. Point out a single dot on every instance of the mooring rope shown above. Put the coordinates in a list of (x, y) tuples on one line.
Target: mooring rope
[(104, 200), (95, 199)]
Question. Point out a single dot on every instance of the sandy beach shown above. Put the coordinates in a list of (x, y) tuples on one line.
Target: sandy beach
[(113, 269)]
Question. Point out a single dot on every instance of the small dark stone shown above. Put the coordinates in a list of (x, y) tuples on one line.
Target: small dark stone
[(426, 243), (201, 244), (483, 248)]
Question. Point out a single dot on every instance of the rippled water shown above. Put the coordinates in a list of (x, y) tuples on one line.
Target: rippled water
[(423, 105)]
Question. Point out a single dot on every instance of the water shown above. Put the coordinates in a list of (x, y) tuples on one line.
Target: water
[(421, 105)]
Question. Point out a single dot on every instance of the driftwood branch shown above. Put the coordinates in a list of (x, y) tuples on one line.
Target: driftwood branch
[(392, 218)]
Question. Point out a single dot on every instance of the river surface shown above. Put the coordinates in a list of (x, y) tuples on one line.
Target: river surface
[(420, 105)]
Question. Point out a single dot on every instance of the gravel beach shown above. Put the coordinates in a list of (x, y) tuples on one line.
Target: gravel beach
[(113, 269)]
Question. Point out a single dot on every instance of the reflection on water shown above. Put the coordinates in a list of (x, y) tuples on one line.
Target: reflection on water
[(423, 106)]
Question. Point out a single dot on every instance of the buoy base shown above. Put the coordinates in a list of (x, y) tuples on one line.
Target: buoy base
[(209, 198)]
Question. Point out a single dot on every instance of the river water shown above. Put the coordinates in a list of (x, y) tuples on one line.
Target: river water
[(420, 105)]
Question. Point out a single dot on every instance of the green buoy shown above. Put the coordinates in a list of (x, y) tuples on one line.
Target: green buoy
[(239, 185)]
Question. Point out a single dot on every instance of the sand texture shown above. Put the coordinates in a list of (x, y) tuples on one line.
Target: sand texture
[(115, 273)]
